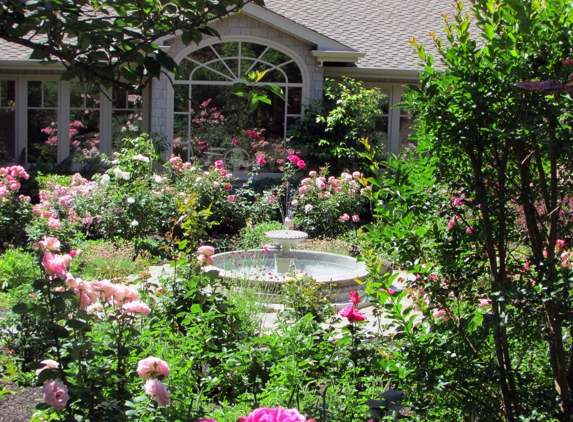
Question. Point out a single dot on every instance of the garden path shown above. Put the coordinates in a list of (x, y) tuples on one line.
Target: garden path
[(374, 324)]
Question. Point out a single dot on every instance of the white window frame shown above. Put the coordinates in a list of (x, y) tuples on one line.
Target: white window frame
[(394, 114), (305, 84), (63, 119)]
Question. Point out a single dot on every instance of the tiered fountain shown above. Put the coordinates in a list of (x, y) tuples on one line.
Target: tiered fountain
[(337, 272)]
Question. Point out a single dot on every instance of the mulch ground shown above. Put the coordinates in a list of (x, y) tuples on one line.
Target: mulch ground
[(18, 407)]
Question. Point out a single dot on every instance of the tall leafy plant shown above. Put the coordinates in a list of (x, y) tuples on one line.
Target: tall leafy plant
[(497, 299)]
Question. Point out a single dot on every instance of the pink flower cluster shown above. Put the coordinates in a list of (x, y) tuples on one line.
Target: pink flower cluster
[(10, 180), (118, 296), (58, 202), (204, 255), (297, 161), (154, 370), (276, 414)]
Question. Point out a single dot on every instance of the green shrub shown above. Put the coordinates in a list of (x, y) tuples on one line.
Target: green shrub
[(16, 268), (252, 236)]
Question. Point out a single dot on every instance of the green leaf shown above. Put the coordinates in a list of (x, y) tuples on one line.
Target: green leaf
[(68, 75), (152, 66), (489, 31), (23, 308)]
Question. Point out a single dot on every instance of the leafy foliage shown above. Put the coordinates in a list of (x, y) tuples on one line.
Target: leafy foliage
[(492, 197), (109, 41)]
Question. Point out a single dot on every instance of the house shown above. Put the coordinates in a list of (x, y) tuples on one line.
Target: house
[(297, 43)]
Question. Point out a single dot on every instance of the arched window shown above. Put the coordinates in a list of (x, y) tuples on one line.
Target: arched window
[(211, 122)]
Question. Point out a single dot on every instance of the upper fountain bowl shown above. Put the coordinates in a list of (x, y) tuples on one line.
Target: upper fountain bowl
[(286, 237)]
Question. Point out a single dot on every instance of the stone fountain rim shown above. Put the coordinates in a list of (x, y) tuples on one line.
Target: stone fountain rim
[(286, 234), (348, 278)]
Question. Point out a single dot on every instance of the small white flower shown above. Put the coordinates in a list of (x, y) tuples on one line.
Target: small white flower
[(105, 180), (142, 158), (121, 174), (158, 179), (134, 223), (130, 200)]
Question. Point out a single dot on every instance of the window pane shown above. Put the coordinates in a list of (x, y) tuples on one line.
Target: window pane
[(203, 55), (125, 124), (181, 98), (7, 122), (293, 72), (228, 49), (384, 101), (180, 128), (42, 136), (275, 57), (84, 135), (249, 49), (184, 69), (7, 135), (276, 75), (50, 94), (294, 100), (381, 124), (7, 93), (405, 131), (34, 93), (84, 96)]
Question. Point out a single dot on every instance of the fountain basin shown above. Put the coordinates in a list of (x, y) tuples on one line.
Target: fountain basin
[(259, 265)]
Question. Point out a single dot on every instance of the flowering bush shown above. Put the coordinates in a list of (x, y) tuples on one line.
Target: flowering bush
[(324, 206), (14, 207)]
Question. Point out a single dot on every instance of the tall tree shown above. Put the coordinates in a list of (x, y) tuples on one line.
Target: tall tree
[(110, 41)]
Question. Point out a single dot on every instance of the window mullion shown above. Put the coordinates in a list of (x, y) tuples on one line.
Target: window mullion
[(63, 149)]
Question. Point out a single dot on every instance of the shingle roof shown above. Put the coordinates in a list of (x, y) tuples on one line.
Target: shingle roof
[(11, 51), (379, 28)]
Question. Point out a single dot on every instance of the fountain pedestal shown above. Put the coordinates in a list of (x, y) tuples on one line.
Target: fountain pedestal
[(285, 238)]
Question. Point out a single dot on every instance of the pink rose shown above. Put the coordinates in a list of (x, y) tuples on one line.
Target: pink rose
[(560, 244), (308, 207), (136, 307), (484, 302), (452, 223), (355, 218), (48, 363), (55, 265), (312, 173), (204, 260), (231, 198), (235, 141), (122, 295), (49, 243), (54, 223), (206, 250), (293, 159), (152, 367), (353, 314), (300, 164), (277, 414), (438, 312), (354, 297), (55, 394), (158, 392), (219, 164), (103, 288), (356, 175), (261, 161), (344, 217)]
